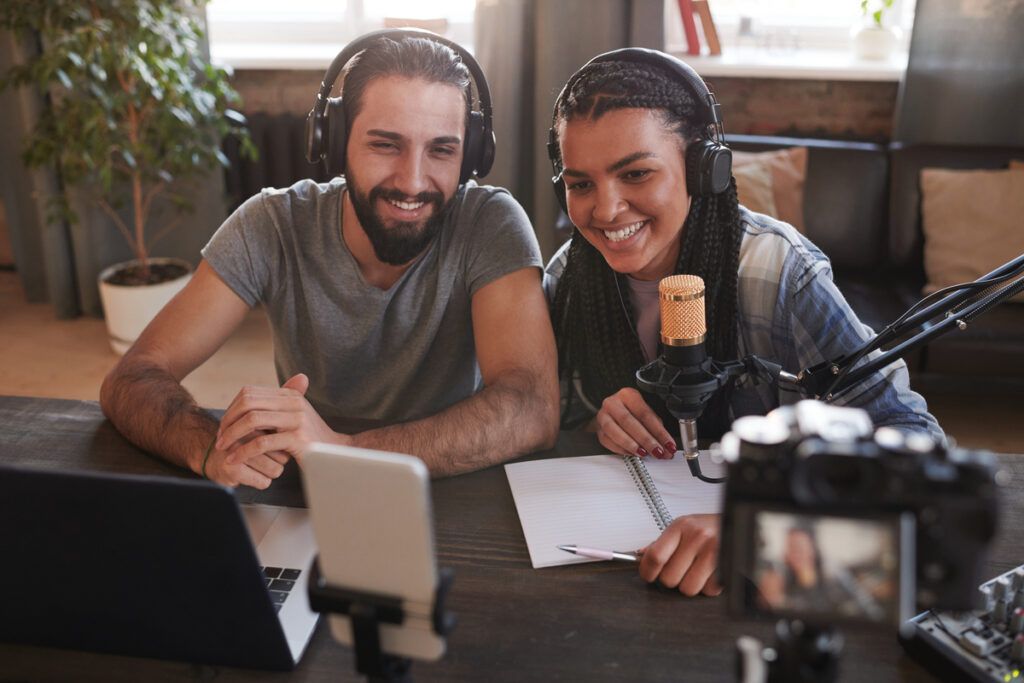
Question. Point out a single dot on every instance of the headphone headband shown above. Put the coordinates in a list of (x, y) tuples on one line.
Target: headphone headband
[(642, 55), (478, 147), (397, 34), (708, 161)]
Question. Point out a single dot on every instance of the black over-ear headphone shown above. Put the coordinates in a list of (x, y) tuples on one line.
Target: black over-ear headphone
[(326, 136), (708, 160)]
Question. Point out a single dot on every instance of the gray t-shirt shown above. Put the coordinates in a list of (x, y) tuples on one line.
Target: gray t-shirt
[(371, 355)]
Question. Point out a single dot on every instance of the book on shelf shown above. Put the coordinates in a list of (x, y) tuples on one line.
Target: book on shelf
[(708, 26), (689, 27)]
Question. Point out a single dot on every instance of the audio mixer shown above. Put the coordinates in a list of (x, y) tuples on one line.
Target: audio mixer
[(979, 645)]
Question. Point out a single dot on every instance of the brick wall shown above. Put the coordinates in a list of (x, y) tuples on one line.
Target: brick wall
[(846, 110)]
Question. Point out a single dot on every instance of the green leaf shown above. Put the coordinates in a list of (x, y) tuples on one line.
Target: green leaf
[(108, 57), (97, 71), (236, 117), (250, 151), (183, 115)]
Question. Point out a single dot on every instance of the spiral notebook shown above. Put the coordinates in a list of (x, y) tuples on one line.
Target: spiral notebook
[(604, 501)]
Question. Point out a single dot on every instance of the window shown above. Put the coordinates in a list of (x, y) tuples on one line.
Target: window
[(798, 38), (307, 34)]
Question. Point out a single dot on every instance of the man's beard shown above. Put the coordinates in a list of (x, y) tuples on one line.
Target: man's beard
[(400, 242)]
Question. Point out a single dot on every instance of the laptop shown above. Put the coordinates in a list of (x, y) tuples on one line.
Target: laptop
[(153, 567)]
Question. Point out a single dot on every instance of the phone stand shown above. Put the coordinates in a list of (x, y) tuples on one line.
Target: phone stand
[(802, 654), (367, 611)]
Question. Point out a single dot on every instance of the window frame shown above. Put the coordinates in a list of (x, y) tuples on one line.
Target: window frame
[(297, 38)]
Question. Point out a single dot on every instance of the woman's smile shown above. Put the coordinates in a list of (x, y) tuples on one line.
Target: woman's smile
[(621, 235)]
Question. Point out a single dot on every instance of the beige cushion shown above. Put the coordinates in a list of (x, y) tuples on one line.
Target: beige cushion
[(972, 223), (754, 187), (788, 168)]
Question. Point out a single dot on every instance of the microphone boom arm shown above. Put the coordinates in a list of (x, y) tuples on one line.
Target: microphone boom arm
[(961, 307), (689, 380)]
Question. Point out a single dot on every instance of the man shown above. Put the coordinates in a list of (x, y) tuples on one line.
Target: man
[(393, 293)]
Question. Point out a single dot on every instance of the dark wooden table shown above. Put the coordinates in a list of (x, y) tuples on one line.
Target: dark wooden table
[(595, 622)]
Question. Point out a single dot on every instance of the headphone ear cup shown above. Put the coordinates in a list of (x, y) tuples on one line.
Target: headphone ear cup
[(554, 156), (490, 143), (559, 186), (335, 141), (721, 169), (473, 148), (696, 163), (314, 137), (708, 168)]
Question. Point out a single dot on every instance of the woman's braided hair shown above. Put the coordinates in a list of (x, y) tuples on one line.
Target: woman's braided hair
[(593, 321)]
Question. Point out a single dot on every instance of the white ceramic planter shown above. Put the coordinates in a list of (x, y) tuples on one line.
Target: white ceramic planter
[(875, 42), (128, 309)]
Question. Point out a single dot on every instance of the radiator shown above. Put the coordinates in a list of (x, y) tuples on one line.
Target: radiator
[(281, 141)]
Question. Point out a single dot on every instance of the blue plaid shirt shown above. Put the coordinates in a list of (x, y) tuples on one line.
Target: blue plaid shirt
[(791, 313)]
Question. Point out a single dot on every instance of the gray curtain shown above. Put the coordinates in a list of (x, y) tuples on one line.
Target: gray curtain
[(965, 77), (60, 263), (41, 251), (528, 49)]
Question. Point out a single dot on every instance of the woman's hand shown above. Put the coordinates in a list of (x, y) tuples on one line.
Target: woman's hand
[(685, 556), (627, 425)]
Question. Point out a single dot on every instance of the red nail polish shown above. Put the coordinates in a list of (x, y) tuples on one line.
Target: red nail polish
[(641, 452), (659, 453), (670, 446)]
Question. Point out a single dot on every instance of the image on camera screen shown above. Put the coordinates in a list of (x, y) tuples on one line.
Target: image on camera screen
[(834, 568)]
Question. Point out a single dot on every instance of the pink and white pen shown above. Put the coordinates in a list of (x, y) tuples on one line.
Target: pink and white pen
[(601, 554)]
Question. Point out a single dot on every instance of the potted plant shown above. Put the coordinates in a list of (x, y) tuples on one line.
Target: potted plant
[(136, 113), (875, 39)]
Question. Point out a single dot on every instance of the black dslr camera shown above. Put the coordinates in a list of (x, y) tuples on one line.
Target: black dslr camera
[(826, 520)]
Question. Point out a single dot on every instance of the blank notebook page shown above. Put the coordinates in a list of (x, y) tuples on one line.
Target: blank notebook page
[(593, 501)]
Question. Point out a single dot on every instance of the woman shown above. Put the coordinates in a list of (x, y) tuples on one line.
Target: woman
[(622, 130), (798, 582)]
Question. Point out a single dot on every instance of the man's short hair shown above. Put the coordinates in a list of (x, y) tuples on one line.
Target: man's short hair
[(410, 57)]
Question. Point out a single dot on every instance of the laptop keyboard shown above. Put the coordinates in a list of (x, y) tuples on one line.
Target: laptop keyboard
[(279, 584)]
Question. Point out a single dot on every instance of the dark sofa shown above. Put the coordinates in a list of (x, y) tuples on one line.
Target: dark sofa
[(862, 208)]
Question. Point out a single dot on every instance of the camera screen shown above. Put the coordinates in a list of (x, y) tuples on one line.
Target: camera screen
[(830, 568)]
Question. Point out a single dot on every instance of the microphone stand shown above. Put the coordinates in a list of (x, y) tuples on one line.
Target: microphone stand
[(960, 308), (686, 391)]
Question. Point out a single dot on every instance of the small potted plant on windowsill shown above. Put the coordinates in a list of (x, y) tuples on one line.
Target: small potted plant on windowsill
[(875, 39), (136, 114)]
